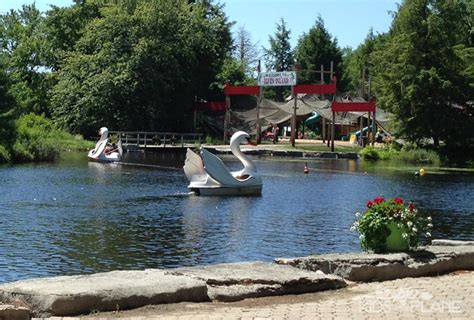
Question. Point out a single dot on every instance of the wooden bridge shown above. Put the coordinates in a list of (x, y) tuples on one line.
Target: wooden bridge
[(140, 140)]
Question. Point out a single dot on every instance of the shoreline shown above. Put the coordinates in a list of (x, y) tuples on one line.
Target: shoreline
[(223, 283)]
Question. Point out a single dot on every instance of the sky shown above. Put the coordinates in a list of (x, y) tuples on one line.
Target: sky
[(347, 20)]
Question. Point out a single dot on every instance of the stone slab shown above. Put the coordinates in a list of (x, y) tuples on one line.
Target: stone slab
[(11, 312), (446, 242), (237, 281), (427, 261), (73, 295)]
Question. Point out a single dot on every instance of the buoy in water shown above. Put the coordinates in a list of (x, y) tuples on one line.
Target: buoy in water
[(306, 170), (422, 172), (417, 173)]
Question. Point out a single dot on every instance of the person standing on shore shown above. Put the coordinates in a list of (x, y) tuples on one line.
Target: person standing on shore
[(275, 131)]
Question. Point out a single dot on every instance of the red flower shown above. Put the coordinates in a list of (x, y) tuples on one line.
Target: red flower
[(398, 200), (411, 207), (379, 199), (369, 204)]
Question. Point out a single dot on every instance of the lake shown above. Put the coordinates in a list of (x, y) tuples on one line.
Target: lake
[(76, 217)]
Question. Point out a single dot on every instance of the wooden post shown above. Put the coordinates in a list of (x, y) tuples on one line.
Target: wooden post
[(227, 114), (331, 71), (362, 87), (324, 130), (328, 134), (368, 129), (373, 131), (361, 140), (373, 123), (293, 118), (259, 129), (332, 130), (322, 76), (195, 112), (321, 97)]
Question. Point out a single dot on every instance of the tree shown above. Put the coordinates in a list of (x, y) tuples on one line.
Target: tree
[(7, 108), (141, 69), (64, 26), (22, 43), (424, 72), (359, 64), (316, 48), (279, 57), (246, 52)]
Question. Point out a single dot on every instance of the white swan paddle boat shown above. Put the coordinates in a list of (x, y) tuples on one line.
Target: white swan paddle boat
[(103, 151), (209, 176)]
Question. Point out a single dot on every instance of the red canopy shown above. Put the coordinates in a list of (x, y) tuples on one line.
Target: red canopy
[(210, 105), (354, 106)]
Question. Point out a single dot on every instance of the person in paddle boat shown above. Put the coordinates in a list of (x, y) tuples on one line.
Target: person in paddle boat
[(208, 175), (111, 148), (105, 151)]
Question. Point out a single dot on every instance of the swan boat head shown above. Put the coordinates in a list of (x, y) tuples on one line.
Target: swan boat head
[(102, 151), (208, 175), (104, 133)]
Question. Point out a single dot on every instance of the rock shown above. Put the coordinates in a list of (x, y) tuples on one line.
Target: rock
[(11, 312), (445, 242), (73, 295), (428, 261), (237, 281)]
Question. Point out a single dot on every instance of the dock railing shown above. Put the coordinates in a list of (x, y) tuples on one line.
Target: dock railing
[(143, 140)]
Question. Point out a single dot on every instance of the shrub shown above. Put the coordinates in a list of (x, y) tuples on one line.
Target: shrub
[(37, 139), (418, 155), (369, 153), (388, 152), (4, 155), (21, 153)]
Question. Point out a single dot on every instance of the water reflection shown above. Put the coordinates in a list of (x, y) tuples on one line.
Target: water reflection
[(78, 217)]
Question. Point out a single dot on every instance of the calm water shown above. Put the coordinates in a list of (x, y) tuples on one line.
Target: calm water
[(77, 217)]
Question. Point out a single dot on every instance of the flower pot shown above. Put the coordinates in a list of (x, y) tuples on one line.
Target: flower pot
[(395, 241)]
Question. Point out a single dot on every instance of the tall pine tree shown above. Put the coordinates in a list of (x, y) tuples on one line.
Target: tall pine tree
[(279, 57), (424, 72)]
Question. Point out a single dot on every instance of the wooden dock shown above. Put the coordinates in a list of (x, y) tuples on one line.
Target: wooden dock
[(142, 140)]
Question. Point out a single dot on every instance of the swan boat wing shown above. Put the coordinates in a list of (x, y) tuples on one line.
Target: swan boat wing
[(194, 168), (217, 170), (98, 150)]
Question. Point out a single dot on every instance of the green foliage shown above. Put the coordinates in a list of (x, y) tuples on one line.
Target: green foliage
[(4, 155), (409, 153), (423, 73), (24, 49), (412, 154), (140, 67), (279, 57), (369, 153), (38, 139), (233, 71), (373, 224), (389, 151), (35, 139), (7, 105), (316, 48), (64, 26), (359, 64)]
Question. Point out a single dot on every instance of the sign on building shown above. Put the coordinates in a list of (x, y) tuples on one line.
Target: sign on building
[(284, 78)]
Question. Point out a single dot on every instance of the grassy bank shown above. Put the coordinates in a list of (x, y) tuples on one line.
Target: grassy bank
[(407, 153), (38, 139)]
